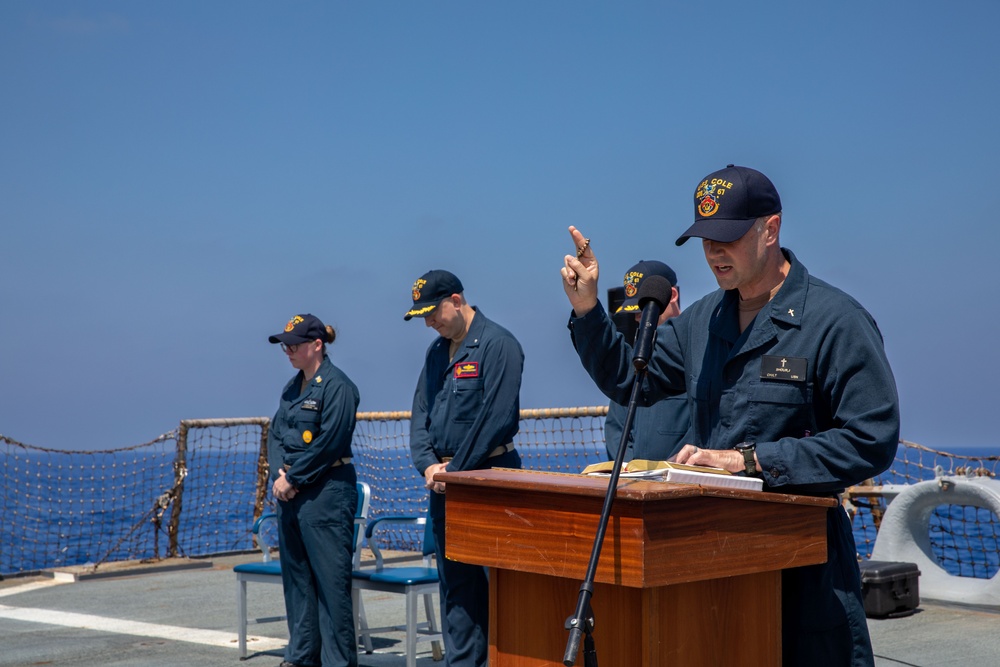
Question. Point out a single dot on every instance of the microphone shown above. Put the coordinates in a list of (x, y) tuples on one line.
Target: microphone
[(654, 294)]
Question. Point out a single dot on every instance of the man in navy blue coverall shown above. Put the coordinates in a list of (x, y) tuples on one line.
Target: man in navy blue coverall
[(659, 428), (466, 412), (788, 380)]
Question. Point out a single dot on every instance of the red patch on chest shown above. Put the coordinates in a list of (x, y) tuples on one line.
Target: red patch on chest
[(466, 369)]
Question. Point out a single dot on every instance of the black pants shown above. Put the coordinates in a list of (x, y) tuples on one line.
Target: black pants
[(316, 535), (823, 614)]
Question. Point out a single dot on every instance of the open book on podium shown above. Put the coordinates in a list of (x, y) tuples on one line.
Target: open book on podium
[(680, 473)]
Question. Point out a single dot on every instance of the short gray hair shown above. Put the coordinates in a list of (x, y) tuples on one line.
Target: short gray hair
[(759, 222)]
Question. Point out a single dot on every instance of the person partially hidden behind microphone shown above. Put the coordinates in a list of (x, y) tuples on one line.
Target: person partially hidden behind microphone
[(789, 381), (659, 428), (466, 412)]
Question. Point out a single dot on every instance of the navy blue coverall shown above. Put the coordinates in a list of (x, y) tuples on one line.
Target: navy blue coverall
[(310, 432), (659, 428), (834, 424), (465, 409)]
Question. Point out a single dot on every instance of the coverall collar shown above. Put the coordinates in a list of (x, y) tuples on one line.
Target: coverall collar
[(472, 338), (787, 308)]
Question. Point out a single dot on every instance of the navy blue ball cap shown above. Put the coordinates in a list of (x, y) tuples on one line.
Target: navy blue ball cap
[(429, 289), (727, 202), (300, 329), (634, 278)]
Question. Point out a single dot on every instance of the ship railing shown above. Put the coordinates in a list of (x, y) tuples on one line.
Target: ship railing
[(195, 491)]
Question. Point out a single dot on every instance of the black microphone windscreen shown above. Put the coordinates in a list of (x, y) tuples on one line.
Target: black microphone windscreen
[(655, 288)]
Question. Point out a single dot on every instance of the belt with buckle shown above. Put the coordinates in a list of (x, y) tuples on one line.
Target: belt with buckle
[(336, 464), (499, 451)]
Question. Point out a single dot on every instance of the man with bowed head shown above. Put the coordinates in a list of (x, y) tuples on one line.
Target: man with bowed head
[(788, 380), (466, 412)]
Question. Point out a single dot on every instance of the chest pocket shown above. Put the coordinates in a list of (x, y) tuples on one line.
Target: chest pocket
[(306, 420), (466, 399), (672, 416), (794, 393), (780, 409)]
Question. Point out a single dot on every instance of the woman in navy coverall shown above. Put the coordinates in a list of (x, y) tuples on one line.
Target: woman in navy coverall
[(309, 450)]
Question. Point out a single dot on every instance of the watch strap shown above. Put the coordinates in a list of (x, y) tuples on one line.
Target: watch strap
[(750, 464)]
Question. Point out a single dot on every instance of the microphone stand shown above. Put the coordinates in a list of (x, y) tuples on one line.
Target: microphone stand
[(582, 621), (654, 292)]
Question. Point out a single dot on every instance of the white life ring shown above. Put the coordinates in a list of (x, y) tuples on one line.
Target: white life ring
[(904, 536)]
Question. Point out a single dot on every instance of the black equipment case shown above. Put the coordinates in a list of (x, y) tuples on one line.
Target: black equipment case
[(889, 589)]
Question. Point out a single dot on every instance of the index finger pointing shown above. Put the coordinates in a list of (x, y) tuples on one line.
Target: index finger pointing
[(579, 240)]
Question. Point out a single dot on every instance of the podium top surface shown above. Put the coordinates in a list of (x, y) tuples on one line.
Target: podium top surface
[(629, 488)]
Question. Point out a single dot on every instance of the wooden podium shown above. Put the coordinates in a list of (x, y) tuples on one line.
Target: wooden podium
[(688, 575)]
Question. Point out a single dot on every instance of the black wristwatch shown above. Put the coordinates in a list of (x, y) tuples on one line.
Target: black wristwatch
[(748, 449)]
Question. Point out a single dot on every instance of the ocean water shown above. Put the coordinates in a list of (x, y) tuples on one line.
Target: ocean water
[(73, 508), (67, 508)]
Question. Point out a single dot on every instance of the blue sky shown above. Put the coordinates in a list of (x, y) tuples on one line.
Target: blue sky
[(178, 179)]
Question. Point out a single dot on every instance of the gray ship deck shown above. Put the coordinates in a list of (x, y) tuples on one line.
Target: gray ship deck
[(187, 616)]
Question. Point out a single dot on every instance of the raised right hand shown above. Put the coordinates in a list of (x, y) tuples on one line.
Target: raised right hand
[(579, 274)]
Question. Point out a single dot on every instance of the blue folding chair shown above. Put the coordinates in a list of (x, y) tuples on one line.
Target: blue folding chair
[(413, 582), (268, 571)]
